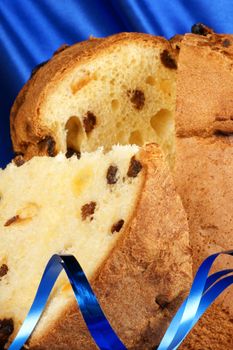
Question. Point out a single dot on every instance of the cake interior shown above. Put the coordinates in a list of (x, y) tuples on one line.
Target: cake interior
[(59, 205), (130, 101)]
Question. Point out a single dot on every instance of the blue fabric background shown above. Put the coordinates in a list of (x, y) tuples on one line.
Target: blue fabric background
[(31, 30)]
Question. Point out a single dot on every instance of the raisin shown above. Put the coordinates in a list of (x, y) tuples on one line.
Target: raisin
[(167, 60), (221, 118), (6, 329), (117, 226), (200, 29), (134, 168), (48, 144), (3, 270), (88, 210), (111, 175), (28, 128), (51, 146), (223, 133), (60, 49), (37, 67), (137, 98), (89, 122), (12, 220), (70, 152), (19, 160), (162, 301), (226, 43)]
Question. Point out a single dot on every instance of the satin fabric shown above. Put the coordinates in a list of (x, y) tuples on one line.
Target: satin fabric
[(31, 30)]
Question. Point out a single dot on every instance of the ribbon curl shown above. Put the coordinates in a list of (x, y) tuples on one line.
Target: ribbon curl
[(203, 292)]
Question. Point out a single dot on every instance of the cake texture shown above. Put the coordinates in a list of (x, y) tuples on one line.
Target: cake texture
[(98, 92), (119, 214), (134, 88), (204, 164)]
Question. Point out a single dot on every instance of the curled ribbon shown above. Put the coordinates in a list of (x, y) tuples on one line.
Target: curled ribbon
[(203, 292)]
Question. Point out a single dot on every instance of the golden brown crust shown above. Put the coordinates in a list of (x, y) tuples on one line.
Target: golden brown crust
[(203, 178), (204, 170), (204, 164), (209, 335), (175, 41), (27, 129), (204, 85), (146, 277)]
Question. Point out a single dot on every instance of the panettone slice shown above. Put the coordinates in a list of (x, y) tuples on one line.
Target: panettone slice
[(119, 214), (100, 92)]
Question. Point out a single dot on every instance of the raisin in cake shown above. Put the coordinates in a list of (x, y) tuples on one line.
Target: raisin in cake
[(99, 92), (119, 214), (123, 89)]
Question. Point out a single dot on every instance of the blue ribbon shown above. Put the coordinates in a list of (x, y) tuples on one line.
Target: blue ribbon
[(203, 292)]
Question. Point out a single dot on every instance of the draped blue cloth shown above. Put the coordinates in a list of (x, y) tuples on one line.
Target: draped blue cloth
[(31, 30)]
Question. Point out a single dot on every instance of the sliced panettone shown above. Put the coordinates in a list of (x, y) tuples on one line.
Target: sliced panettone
[(201, 143), (119, 214), (99, 92)]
